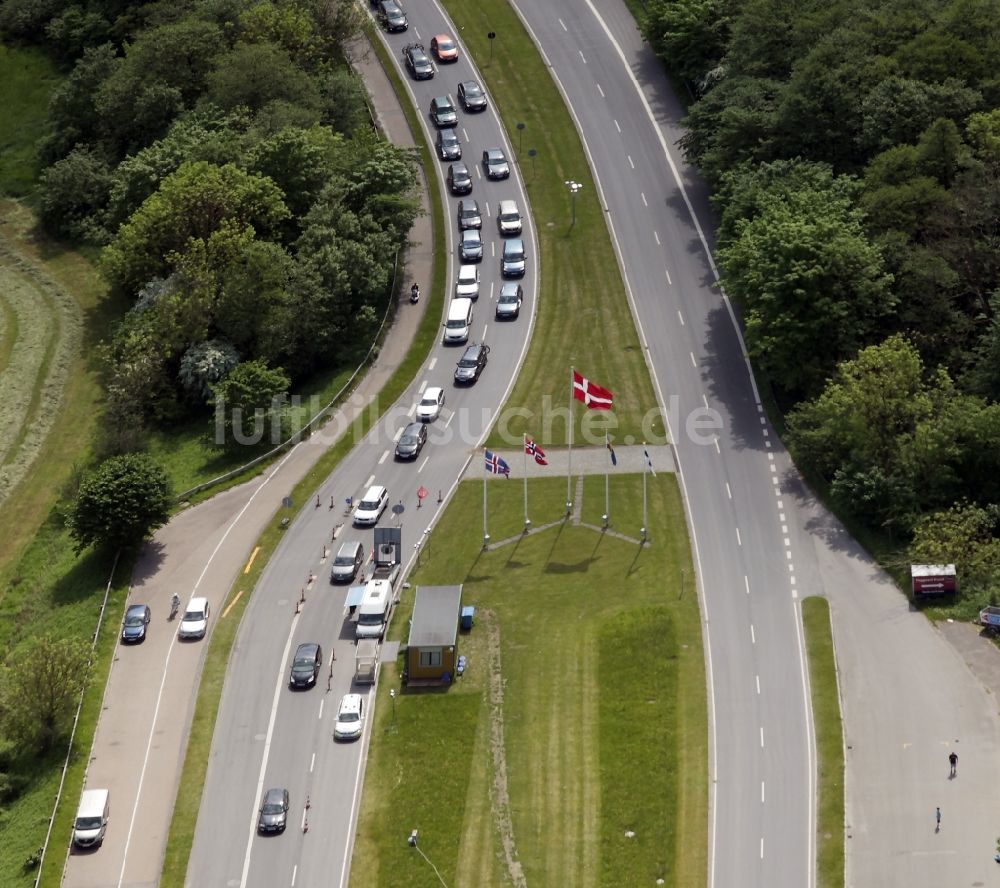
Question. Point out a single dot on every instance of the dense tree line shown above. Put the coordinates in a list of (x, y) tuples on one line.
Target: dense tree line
[(854, 154), (222, 154)]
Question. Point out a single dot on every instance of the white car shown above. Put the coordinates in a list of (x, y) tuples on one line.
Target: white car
[(350, 718), (430, 404), (468, 282), (372, 505), (194, 623)]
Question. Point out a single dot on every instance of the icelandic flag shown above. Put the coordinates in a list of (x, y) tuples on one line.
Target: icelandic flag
[(495, 465), (532, 449)]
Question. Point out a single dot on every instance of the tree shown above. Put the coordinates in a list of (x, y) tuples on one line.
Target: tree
[(813, 285), (191, 203), (73, 193), (255, 74), (689, 35), (204, 364), (248, 400), (967, 536), (42, 683), (983, 133), (120, 502)]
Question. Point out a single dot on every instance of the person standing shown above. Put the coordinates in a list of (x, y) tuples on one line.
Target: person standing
[(937, 819), (953, 761)]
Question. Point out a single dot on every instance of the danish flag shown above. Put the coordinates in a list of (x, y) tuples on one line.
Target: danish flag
[(594, 396)]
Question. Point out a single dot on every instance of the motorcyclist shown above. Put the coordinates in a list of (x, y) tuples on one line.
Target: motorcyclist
[(414, 293)]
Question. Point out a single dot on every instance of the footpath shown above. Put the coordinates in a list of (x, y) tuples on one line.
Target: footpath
[(141, 738)]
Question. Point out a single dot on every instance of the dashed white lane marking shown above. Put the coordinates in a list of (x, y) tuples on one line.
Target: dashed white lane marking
[(368, 483), (312, 763), (601, 91), (582, 56), (321, 702), (295, 872), (784, 528), (762, 792), (642, 194), (715, 441), (561, 22), (704, 400), (753, 635), (788, 542), (383, 457), (630, 163), (667, 271), (617, 127), (694, 363), (656, 235), (762, 737), (432, 363), (729, 491), (788, 555), (447, 422), (746, 583), (424, 463), (758, 683), (739, 539), (762, 841), (680, 317), (423, 385)]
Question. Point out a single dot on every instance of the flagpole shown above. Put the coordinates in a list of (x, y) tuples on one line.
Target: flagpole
[(569, 452), (486, 536), (607, 500), (524, 448), (645, 471)]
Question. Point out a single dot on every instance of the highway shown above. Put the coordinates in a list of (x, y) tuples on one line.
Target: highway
[(268, 735), (762, 818)]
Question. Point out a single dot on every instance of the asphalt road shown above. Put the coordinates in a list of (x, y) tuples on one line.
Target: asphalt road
[(268, 735), (762, 806)]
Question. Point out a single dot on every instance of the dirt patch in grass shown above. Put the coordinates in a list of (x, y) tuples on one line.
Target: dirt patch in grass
[(500, 794)]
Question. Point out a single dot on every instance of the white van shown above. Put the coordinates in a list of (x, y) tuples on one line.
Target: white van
[(373, 613), (456, 328), (508, 218), (350, 718), (92, 817), (372, 505)]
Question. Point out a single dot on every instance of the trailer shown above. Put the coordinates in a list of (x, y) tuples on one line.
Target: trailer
[(989, 617), (366, 661)]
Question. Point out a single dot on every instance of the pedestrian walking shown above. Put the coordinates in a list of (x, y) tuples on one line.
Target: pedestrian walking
[(937, 818), (953, 761)]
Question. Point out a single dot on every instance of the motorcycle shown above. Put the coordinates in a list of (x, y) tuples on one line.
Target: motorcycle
[(414, 294)]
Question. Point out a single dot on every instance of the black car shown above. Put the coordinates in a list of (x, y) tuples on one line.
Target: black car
[(495, 164), (443, 111), (273, 811), (135, 623), (411, 441), (418, 61), (459, 178), (469, 215), (471, 95), (306, 665), (448, 145), (391, 16), (472, 363), (509, 301), (470, 245)]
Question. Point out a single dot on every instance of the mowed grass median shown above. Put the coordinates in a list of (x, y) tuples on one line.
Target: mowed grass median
[(574, 749), (583, 316)]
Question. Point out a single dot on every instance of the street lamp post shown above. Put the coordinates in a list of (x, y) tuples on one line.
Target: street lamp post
[(573, 187)]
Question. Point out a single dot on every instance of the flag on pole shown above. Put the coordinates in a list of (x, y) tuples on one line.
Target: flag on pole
[(594, 396), (611, 450), (649, 462), (495, 465), (532, 449)]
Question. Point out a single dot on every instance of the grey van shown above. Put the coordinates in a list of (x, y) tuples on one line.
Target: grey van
[(347, 562), (92, 817)]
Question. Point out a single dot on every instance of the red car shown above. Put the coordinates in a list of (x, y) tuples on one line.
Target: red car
[(444, 48)]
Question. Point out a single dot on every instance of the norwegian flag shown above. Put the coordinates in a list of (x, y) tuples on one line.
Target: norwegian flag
[(594, 396), (532, 449), (495, 465)]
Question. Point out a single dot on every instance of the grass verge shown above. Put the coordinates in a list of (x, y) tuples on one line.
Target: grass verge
[(188, 801), (829, 743), (28, 76), (583, 317), (604, 731)]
